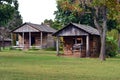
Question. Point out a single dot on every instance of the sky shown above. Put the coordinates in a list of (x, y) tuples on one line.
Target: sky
[(36, 11)]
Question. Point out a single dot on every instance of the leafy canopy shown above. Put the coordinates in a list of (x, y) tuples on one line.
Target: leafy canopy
[(6, 11)]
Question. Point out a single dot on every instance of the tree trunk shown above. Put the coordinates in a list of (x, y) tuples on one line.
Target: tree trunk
[(0, 39), (119, 41), (0, 46), (103, 47), (103, 34), (102, 29)]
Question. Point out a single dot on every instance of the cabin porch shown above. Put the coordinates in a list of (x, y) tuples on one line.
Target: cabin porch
[(81, 46), (26, 40)]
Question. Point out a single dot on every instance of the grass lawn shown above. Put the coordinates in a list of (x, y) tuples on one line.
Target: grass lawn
[(45, 65)]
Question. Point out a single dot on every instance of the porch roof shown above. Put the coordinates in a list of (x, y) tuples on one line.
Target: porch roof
[(74, 29), (30, 27)]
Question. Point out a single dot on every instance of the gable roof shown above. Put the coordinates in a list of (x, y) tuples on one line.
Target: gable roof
[(42, 27), (85, 28)]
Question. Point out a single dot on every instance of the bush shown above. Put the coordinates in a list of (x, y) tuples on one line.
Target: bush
[(111, 47), (50, 49), (53, 49)]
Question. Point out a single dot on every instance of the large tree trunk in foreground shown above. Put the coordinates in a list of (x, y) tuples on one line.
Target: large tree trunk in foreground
[(102, 29), (103, 34), (103, 47), (119, 41)]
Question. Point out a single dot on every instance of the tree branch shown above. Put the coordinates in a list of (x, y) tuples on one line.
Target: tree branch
[(95, 14)]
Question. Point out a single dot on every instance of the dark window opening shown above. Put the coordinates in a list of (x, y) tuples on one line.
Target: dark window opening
[(32, 40)]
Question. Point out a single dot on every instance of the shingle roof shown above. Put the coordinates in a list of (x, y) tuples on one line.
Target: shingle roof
[(85, 28), (88, 29), (42, 27)]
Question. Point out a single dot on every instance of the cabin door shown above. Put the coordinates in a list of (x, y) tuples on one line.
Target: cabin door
[(32, 40)]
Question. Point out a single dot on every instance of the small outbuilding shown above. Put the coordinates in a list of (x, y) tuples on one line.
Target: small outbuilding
[(34, 35), (6, 42), (78, 40)]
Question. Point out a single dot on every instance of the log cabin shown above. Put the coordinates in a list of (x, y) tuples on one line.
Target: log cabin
[(34, 35), (78, 40)]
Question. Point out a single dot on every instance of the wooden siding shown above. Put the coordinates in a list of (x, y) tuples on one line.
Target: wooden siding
[(50, 41), (26, 28), (72, 31), (6, 43), (94, 45), (68, 46)]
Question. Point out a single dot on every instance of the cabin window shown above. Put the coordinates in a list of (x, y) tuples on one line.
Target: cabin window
[(78, 40)]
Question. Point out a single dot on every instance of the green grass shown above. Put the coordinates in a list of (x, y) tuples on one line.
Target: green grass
[(45, 65)]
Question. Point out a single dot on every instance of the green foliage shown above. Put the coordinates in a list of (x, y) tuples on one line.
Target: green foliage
[(9, 14), (112, 43), (16, 21), (54, 24), (50, 49), (65, 16), (111, 47), (6, 13), (118, 27), (111, 24), (113, 33)]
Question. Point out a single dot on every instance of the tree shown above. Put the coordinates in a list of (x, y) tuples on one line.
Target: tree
[(101, 11), (7, 9), (54, 24), (66, 15), (4, 33), (17, 19)]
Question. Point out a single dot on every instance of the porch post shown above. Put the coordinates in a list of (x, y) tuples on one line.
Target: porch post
[(12, 39), (29, 39), (87, 46), (23, 38), (57, 45), (41, 37)]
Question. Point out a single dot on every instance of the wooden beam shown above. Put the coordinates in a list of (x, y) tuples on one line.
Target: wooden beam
[(41, 38), (75, 40), (87, 46), (29, 39), (23, 39), (12, 39), (57, 45)]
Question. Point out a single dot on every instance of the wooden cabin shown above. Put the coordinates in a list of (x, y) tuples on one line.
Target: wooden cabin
[(79, 40), (6, 42), (34, 35)]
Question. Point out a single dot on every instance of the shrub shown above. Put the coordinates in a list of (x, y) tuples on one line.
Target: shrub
[(50, 49), (53, 49), (111, 47)]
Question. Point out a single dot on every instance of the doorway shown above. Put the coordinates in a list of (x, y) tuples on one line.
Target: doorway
[(32, 41)]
